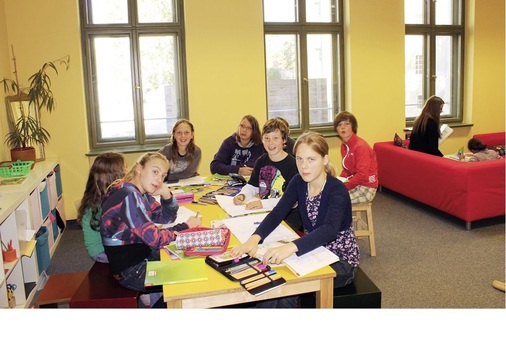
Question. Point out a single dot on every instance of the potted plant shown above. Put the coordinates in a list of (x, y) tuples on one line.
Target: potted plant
[(27, 130)]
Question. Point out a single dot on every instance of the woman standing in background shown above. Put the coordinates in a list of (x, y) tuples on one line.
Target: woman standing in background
[(426, 129)]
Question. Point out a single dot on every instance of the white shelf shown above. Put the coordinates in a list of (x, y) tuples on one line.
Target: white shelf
[(20, 219)]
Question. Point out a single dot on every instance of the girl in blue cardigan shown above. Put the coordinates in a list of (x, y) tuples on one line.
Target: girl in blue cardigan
[(325, 209)]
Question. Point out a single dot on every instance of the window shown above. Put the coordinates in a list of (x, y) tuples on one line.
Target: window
[(434, 52), (304, 62), (134, 74)]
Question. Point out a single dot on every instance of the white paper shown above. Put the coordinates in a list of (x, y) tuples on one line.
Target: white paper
[(243, 227), (311, 261), (183, 214), (197, 180), (227, 204)]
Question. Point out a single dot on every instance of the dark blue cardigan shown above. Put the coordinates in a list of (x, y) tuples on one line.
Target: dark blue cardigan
[(334, 214)]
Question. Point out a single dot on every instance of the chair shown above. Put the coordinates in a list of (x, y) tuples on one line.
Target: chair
[(364, 227)]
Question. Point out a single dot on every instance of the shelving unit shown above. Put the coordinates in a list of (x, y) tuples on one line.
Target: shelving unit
[(36, 205)]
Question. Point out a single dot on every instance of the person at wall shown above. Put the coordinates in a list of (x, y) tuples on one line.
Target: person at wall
[(360, 168), (272, 172), (480, 151), (106, 168), (238, 153), (128, 225), (183, 155), (325, 209), (290, 142), (426, 129)]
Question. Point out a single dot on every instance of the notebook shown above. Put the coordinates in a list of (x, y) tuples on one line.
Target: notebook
[(171, 272)]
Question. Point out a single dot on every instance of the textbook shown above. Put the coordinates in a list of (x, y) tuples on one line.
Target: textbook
[(171, 272), (446, 132)]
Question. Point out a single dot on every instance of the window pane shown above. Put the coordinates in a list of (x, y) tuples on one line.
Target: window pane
[(444, 72), (159, 84), (444, 13), (320, 77), (113, 84), (414, 72), (108, 11), (282, 74), (280, 10), (156, 11), (321, 11), (414, 11)]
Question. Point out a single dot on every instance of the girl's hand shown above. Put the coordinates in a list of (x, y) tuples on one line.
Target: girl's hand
[(276, 255), (194, 221), (250, 247), (238, 199), (163, 191), (245, 171), (255, 204)]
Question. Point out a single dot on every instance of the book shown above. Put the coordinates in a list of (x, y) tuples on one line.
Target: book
[(446, 131), (171, 272), (456, 155), (311, 261)]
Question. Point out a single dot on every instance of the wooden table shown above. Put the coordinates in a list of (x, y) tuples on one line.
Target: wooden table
[(219, 291)]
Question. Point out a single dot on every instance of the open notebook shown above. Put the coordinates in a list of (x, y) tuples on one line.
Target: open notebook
[(456, 155)]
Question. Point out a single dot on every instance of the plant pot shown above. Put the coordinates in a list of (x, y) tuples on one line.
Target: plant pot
[(25, 153), (9, 255)]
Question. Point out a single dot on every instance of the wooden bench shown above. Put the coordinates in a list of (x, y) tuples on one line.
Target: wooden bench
[(100, 290), (361, 293), (59, 289)]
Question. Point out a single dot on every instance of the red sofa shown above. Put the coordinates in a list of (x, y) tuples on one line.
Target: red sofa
[(468, 191)]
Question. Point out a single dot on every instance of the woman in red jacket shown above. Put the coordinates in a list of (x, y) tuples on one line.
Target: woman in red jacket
[(360, 168)]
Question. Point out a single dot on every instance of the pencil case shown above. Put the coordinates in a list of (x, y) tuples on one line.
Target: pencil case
[(203, 241), (253, 276)]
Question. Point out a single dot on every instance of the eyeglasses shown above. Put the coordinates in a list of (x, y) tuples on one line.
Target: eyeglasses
[(245, 127)]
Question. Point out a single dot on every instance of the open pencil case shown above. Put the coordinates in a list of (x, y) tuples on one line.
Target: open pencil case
[(203, 241), (252, 274)]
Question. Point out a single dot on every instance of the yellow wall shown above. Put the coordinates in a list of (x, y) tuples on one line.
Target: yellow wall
[(225, 61)]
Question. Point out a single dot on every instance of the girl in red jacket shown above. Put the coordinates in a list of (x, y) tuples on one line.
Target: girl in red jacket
[(360, 168)]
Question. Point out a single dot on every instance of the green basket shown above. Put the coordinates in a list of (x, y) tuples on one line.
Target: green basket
[(18, 168)]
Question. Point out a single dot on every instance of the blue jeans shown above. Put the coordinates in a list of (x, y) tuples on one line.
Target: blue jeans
[(133, 278), (345, 273)]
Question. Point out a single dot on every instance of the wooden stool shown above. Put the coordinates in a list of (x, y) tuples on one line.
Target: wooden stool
[(59, 289), (364, 227)]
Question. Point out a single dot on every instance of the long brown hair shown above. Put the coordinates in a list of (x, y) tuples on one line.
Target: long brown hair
[(431, 109), (319, 145), (191, 146), (106, 168), (256, 137)]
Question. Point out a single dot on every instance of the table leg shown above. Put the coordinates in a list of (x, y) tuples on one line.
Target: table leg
[(176, 304), (324, 297)]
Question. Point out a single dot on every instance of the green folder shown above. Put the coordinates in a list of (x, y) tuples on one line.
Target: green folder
[(170, 272)]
